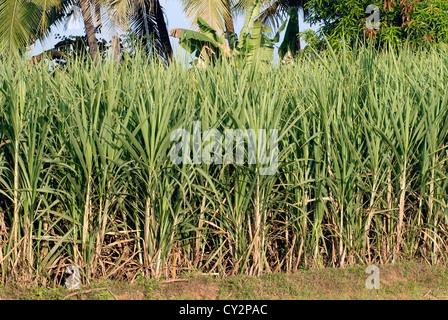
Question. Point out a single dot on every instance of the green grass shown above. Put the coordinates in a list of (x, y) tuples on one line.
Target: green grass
[(341, 284), (86, 177), (410, 280)]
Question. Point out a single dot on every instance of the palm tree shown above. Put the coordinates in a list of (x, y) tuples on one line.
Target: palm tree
[(146, 19), (24, 21), (88, 17), (149, 23), (219, 14), (277, 10)]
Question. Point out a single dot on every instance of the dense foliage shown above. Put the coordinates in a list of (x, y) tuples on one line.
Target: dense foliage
[(253, 43), (419, 22)]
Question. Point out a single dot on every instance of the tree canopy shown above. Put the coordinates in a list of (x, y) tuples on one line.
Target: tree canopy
[(418, 22)]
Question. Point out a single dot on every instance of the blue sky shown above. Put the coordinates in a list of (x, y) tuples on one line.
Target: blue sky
[(174, 15)]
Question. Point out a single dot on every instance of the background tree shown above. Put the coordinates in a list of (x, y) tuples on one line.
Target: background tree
[(146, 19), (276, 13), (219, 14), (87, 7), (22, 22), (417, 22)]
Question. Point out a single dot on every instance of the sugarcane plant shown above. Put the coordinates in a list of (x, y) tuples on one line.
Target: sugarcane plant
[(87, 176)]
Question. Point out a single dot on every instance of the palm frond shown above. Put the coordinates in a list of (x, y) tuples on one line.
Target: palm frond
[(19, 21), (146, 20), (46, 7), (214, 12), (275, 13)]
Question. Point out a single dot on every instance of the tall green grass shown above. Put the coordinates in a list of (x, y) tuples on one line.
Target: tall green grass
[(86, 177)]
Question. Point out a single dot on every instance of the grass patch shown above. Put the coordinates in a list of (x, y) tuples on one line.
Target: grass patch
[(407, 280)]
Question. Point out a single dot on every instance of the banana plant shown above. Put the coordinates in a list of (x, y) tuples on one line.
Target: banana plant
[(208, 47)]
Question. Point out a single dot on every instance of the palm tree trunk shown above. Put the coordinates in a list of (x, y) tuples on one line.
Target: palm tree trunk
[(145, 23), (163, 30), (292, 33), (229, 21), (90, 28), (116, 48), (98, 19), (298, 47)]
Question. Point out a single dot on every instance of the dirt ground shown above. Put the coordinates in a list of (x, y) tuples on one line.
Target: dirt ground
[(410, 280)]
